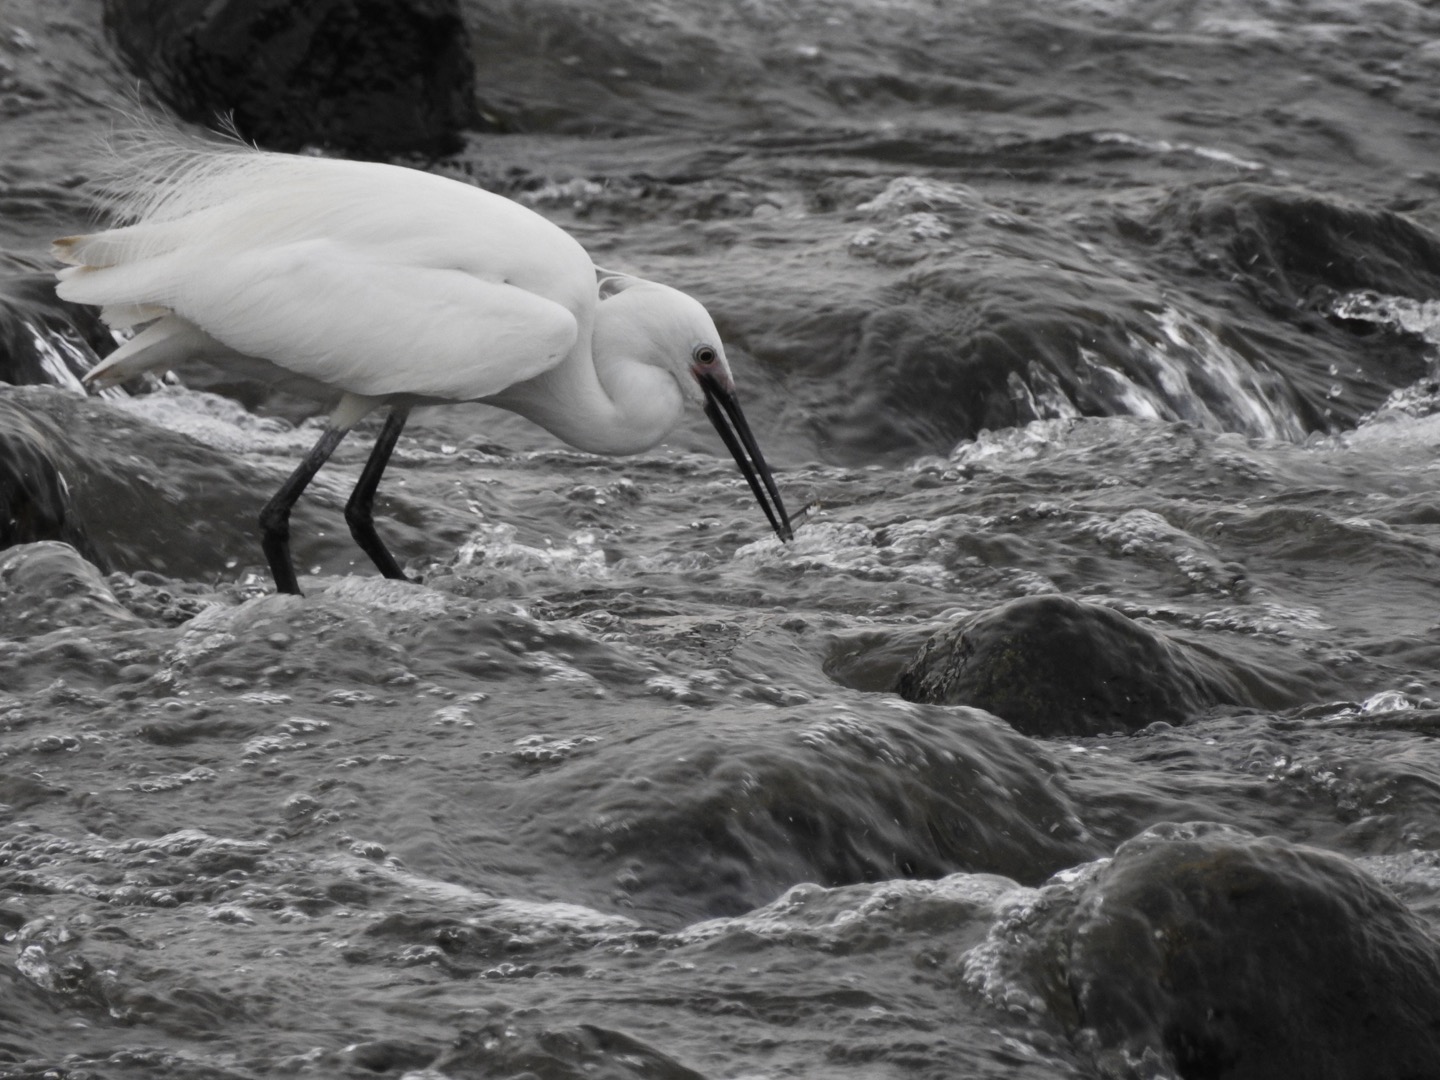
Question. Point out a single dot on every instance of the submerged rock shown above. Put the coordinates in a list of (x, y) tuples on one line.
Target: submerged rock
[(152, 499), (582, 1050), (1050, 665), (719, 819), (368, 77), (1295, 246), (146, 498), (1207, 952)]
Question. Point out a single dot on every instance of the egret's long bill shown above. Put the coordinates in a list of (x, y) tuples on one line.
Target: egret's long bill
[(723, 409)]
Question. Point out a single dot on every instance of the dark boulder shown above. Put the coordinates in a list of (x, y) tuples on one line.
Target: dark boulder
[(1202, 951), (721, 818), (43, 340), (366, 76), (152, 499), (1292, 247), (1050, 665), (35, 502)]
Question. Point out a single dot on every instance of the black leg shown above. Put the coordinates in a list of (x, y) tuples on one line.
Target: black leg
[(359, 510), (275, 518)]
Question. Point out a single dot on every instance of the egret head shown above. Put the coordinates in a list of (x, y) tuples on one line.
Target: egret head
[(661, 326), (664, 327)]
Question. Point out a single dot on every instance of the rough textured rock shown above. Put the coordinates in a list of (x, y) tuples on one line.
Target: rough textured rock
[(369, 76), (130, 484), (1050, 665), (721, 819), (134, 484), (1297, 248), (48, 586), (1211, 953), (35, 499), (43, 340)]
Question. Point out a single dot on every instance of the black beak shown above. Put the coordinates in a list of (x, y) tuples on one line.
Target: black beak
[(723, 409)]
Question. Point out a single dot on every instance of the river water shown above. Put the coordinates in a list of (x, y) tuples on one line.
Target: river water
[(1125, 302)]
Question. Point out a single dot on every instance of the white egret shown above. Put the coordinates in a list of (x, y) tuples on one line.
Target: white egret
[(381, 285)]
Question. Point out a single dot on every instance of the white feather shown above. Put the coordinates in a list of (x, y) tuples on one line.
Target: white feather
[(376, 284), (377, 281)]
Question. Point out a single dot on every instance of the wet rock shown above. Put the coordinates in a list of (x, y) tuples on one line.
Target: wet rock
[(719, 820), (1291, 254), (920, 346), (151, 499), (35, 501), (563, 1053), (369, 76), (917, 346), (1051, 665), (386, 1056), (1291, 243), (49, 586), (43, 340), (1206, 952), (133, 487)]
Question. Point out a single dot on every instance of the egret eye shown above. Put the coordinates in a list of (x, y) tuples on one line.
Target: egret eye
[(705, 355)]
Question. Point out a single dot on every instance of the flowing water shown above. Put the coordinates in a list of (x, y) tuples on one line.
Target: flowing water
[(1131, 302)]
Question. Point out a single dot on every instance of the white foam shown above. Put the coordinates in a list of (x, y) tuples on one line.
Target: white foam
[(495, 545), (215, 421)]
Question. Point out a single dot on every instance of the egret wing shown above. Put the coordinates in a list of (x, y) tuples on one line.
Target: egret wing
[(348, 317)]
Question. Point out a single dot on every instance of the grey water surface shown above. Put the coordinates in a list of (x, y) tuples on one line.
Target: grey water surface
[(1131, 302)]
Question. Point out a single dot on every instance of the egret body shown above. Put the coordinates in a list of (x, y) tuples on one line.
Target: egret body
[(380, 285)]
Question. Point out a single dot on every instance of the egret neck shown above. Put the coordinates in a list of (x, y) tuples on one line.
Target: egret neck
[(610, 407), (613, 394)]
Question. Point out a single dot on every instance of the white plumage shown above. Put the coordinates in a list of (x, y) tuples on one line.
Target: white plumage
[(369, 279), (380, 285)]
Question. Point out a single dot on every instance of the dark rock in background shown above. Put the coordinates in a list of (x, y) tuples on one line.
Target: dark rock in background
[(1050, 665), (1227, 955), (1292, 247), (917, 341), (582, 1050), (367, 76)]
